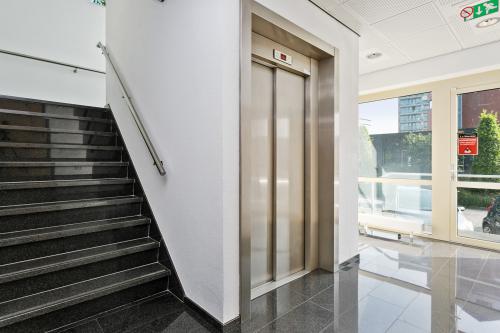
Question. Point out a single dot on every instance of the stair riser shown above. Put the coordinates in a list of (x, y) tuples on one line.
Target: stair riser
[(57, 154), (63, 217), (34, 250), (26, 196), (55, 173), (54, 109), (62, 138), (78, 112), (87, 309), (20, 288), (43, 122)]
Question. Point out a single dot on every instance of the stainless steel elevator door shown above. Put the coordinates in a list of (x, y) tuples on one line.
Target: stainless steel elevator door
[(276, 166), (260, 155), (289, 173)]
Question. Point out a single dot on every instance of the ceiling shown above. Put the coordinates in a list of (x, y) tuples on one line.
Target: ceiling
[(405, 31)]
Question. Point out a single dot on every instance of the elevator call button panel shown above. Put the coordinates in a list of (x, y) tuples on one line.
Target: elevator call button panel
[(283, 57)]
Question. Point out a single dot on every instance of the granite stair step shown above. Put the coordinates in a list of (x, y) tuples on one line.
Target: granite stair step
[(38, 266), (66, 205), (43, 234), (42, 303)]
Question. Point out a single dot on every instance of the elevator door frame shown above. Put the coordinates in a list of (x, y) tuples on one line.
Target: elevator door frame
[(322, 130)]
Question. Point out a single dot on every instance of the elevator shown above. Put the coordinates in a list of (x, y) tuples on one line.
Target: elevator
[(288, 156), (277, 127)]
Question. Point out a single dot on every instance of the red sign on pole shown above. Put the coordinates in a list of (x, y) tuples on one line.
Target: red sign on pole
[(468, 144)]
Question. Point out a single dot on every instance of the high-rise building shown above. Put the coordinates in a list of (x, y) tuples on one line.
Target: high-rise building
[(415, 113)]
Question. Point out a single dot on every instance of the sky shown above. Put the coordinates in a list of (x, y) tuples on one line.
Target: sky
[(380, 117)]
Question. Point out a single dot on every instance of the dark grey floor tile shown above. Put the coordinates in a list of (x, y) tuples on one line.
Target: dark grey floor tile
[(490, 272), (485, 295), (90, 327), (270, 306), (307, 317), (177, 322), (140, 314), (312, 284), (325, 299)]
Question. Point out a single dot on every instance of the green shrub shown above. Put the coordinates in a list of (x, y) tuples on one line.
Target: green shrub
[(474, 198)]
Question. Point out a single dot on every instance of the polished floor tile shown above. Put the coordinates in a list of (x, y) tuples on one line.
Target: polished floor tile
[(401, 326), (393, 287), (270, 306), (394, 294), (312, 283), (138, 315), (307, 317), (89, 327)]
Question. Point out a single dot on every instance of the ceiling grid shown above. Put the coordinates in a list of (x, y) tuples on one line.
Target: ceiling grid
[(404, 31)]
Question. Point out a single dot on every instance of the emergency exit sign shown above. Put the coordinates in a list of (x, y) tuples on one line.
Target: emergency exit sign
[(478, 10)]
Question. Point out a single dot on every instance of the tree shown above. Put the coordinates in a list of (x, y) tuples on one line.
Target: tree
[(488, 160), (367, 154), (99, 2), (419, 148)]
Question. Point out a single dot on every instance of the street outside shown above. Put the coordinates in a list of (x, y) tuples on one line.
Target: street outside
[(475, 216)]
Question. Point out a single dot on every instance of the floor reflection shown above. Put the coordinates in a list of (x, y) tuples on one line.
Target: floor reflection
[(392, 287)]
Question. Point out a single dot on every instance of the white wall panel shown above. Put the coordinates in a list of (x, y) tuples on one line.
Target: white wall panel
[(58, 30)]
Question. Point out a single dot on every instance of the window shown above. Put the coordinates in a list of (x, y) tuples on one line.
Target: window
[(395, 165), (383, 137)]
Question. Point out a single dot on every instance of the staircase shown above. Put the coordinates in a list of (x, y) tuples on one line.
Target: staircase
[(76, 235)]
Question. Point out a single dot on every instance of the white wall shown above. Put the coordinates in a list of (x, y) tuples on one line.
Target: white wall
[(187, 90), (59, 30), (312, 19), (470, 61)]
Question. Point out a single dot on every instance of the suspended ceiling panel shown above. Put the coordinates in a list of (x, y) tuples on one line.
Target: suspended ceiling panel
[(374, 11), (411, 23), (416, 46), (404, 31)]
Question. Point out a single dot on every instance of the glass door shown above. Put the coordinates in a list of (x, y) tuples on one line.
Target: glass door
[(475, 163)]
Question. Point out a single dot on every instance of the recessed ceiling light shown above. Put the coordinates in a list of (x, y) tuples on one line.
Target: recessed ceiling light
[(374, 55), (488, 22)]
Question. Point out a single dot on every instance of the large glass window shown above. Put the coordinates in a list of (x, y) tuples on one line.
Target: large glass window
[(395, 164)]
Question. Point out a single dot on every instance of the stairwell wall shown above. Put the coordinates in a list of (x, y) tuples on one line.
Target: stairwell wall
[(180, 59), (59, 30)]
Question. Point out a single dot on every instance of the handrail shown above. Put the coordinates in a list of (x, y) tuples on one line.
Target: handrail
[(157, 161), (55, 62)]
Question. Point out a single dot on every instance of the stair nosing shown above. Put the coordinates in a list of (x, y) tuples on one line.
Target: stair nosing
[(53, 115), (64, 183), (74, 229), (27, 145), (53, 206), (54, 130), (148, 244), (87, 295)]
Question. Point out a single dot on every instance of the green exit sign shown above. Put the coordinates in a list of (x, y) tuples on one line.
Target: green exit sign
[(473, 12)]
